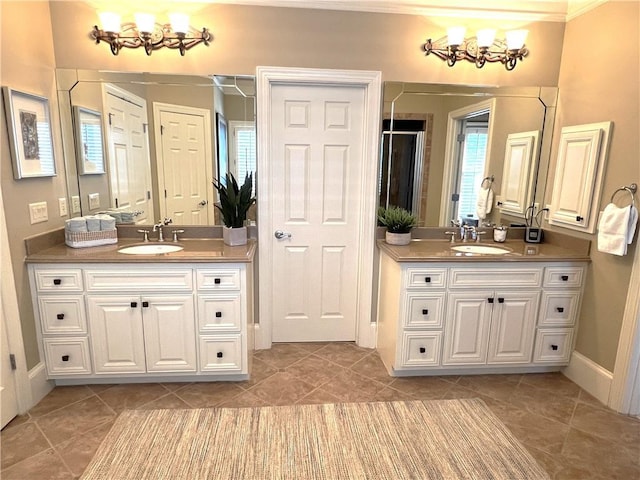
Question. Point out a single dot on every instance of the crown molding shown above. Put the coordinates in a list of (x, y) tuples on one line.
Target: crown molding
[(575, 8)]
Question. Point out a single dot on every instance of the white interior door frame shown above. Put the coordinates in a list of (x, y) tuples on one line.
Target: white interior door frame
[(371, 82), (451, 149)]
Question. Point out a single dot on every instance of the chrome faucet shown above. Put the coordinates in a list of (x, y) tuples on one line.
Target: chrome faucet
[(158, 226)]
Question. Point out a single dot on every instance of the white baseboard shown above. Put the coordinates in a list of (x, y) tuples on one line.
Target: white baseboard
[(589, 376), (40, 386)]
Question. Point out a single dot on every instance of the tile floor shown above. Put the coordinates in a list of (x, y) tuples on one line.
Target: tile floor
[(570, 433)]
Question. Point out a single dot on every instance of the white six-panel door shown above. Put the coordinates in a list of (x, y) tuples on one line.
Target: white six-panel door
[(317, 154)]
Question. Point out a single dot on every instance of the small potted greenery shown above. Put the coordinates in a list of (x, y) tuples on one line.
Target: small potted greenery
[(234, 204), (399, 223)]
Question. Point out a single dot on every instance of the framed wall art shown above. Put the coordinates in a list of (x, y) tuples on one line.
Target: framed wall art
[(30, 138), (89, 141)]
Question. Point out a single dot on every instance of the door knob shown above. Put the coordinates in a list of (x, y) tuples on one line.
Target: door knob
[(203, 203), (279, 234)]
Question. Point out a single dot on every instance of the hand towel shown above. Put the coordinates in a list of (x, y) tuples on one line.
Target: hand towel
[(107, 222), (485, 202), (77, 224), (93, 223), (616, 229)]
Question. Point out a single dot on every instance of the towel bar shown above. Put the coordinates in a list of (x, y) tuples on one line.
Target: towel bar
[(632, 189), (491, 178)]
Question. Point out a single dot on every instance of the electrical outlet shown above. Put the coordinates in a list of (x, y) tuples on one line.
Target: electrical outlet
[(62, 206), (38, 212), (94, 201), (75, 204)]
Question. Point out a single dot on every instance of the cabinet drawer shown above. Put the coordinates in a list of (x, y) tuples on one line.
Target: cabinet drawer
[(558, 308), (563, 276), (221, 353), (495, 277), (62, 315), (424, 311), (63, 280), (220, 312), (420, 349), (67, 356), (425, 278), (156, 280), (553, 345), (218, 279)]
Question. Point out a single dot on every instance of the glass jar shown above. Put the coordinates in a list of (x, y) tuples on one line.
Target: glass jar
[(499, 234)]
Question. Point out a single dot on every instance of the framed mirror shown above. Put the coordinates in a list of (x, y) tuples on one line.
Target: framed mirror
[(89, 141)]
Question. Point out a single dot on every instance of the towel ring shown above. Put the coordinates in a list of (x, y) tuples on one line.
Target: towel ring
[(632, 189), (491, 178)]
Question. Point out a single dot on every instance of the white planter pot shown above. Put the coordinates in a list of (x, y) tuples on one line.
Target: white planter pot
[(234, 236), (397, 238)]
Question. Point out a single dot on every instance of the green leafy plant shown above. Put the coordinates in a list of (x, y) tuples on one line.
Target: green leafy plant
[(397, 220), (234, 200)]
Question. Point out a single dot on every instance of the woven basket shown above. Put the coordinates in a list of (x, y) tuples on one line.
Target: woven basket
[(90, 239)]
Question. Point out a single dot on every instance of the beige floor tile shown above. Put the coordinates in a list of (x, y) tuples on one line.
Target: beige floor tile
[(20, 442), (208, 394), (584, 397), (499, 387), (246, 399), (314, 370), (318, 396), (423, 388), (281, 355), (78, 452), (170, 401), (310, 347), (372, 367), (132, 395), (543, 402), (350, 386), (607, 424), (555, 382), (260, 371), (389, 394), (60, 397), (344, 354), (282, 388), (46, 465)]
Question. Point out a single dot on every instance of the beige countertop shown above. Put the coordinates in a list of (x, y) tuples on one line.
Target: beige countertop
[(440, 251), (195, 251)]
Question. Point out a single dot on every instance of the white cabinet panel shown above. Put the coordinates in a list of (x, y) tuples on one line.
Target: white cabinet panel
[(467, 328), (553, 345), (67, 356), (424, 310), (216, 279), (565, 276), (220, 312), (520, 160), (513, 327), (62, 315), (559, 308), (139, 279), (495, 277), (426, 278), (421, 349), (58, 279), (221, 353)]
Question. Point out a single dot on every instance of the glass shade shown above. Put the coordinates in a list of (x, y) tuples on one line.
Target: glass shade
[(516, 38), (145, 22), (179, 22), (455, 35), (110, 22), (485, 37)]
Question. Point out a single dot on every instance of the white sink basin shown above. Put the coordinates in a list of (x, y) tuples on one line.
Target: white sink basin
[(481, 249), (151, 249)]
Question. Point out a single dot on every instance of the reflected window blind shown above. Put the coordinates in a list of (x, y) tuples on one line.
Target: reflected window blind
[(245, 148), (92, 145), (475, 149)]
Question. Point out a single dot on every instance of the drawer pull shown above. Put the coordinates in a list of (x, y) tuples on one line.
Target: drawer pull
[(564, 278), (219, 354), (490, 299), (427, 279), (145, 304), (216, 281), (560, 309), (60, 316), (65, 358), (579, 218), (423, 350), (425, 311), (554, 347), (218, 314), (134, 304), (500, 300), (57, 281)]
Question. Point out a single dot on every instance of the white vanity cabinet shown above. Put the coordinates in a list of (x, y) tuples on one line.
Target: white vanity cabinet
[(492, 317), (119, 321)]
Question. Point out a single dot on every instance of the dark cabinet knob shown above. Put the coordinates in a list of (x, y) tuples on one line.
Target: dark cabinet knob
[(216, 281), (65, 358), (500, 300), (427, 279), (423, 350), (564, 278), (560, 309), (145, 304), (490, 299), (219, 354), (134, 304), (554, 347), (57, 281), (218, 314), (60, 316), (579, 218), (425, 311)]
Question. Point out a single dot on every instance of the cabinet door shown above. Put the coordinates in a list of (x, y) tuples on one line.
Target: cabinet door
[(169, 333), (513, 327), (117, 338), (467, 328), (519, 164)]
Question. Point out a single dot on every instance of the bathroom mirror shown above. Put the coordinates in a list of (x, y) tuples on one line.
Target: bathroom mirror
[(160, 141), (440, 143)]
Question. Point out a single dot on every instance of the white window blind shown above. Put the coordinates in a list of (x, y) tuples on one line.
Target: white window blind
[(243, 150), (472, 172)]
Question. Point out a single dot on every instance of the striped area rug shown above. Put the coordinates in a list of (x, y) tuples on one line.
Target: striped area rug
[(442, 439)]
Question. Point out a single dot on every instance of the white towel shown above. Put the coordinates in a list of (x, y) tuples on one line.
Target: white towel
[(616, 229), (485, 202)]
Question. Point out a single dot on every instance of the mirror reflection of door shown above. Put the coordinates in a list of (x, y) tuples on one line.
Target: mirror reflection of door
[(469, 167), (401, 162)]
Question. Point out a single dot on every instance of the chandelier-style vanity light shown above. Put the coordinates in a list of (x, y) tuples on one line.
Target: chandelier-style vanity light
[(482, 48), (145, 32)]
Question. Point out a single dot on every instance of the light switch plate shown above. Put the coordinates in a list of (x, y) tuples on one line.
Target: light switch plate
[(38, 212), (62, 206), (75, 204), (94, 201)]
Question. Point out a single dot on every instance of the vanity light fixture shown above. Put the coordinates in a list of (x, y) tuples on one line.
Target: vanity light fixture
[(482, 48), (145, 32)]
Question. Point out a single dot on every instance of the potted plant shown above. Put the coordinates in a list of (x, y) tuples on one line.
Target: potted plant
[(234, 204), (399, 223)]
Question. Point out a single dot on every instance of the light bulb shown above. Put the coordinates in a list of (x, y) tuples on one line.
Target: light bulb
[(485, 37), (179, 22), (110, 22), (516, 38), (145, 22), (455, 35)]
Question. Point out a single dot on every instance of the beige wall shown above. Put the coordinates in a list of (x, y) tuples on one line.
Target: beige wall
[(28, 65), (600, 82)]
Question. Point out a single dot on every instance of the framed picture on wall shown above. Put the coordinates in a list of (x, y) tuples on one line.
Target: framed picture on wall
[(89, 141), (223, 147), (30, 138)]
